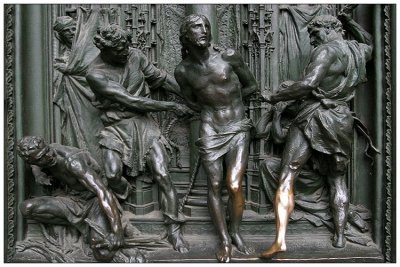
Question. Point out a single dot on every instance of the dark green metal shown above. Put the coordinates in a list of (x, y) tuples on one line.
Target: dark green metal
[(32, 84)]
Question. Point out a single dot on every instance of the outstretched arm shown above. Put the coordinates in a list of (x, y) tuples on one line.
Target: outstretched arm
[(321, 60), (170, 85), (101, 85)]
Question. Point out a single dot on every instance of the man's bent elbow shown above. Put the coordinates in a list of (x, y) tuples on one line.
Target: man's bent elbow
[(97, 82)]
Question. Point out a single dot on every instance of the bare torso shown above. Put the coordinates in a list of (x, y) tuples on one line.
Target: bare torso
[(66, 170), (336, 70), (216, 89)]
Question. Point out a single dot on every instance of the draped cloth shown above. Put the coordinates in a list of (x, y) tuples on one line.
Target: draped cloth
[(80, 119), (295, 47), (130, 132), (215, 146), (326, 119)]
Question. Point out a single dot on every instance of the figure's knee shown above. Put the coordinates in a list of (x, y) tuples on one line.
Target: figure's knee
[(235, 187), (112, 166), (160, 174), (113, 174), (286, 182), (341, 199), (164, 181), (215, 185), (27, 208)]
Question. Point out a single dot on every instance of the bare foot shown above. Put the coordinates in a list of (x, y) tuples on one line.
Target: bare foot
[(224, 253), (273, 250), (339, 242), (238, 241), (176, 239)]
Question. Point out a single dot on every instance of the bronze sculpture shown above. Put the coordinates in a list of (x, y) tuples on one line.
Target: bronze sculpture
[(72, 93), (55, 101), (131, 139), (86, 196), (311, 189), (324, 125), (215, 82)]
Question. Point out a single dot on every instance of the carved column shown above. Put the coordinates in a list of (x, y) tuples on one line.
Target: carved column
[(32, 87)]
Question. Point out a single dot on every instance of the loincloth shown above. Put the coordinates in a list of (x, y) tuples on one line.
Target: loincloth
[(214, 146)]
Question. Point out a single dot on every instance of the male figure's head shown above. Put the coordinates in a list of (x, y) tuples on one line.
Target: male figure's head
[(35, 151), (65, 29), (113, 43), (324, 29), (195, 32)]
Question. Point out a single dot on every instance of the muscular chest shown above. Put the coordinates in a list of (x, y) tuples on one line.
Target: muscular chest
[(214, 80)]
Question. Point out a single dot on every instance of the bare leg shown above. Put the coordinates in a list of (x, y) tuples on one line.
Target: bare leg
[(215, 206), (339, 198), (157, 162), (46, 210), (297, 152), (113, 168), (236, 161)]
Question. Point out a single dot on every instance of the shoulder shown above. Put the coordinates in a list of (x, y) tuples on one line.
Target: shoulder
[(181, 70), (231, 55), (325, 48), (325, 52)]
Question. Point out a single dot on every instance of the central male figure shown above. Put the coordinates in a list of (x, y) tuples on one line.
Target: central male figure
[(214, 81)]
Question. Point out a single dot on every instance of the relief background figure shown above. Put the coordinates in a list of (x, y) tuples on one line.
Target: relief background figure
[(80, 120)]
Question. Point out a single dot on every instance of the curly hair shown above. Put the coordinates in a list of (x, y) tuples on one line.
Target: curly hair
[(328, 22), (186, 25), (29, 146), (111, 36)]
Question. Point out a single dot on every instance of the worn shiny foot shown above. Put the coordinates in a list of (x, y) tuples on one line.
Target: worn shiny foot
[(224, 253), (272, 251)]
